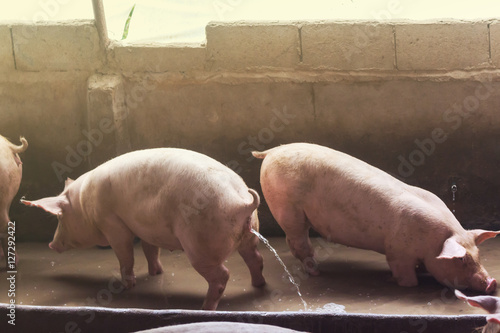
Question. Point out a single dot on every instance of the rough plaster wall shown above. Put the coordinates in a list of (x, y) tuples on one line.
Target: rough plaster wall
[(360, 87)]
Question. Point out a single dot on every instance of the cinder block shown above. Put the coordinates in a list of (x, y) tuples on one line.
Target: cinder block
[(348, 46), (442, 46), (6, 56), (57, 46), (243, 46), (495, 43), (158, 58)]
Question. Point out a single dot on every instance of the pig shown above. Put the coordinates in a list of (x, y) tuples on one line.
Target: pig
[(11, 171), (220, 327), (350, 202), (170, 198), (489, 303)]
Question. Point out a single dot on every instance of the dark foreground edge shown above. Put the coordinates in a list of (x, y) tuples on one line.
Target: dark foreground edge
[(94, 319)]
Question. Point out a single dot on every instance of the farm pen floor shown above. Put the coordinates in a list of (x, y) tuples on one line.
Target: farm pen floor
[(356, 279)]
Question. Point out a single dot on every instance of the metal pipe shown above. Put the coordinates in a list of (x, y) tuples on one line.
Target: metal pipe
[(100, 22)]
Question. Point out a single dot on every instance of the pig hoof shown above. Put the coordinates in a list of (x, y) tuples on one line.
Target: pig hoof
[(155, 268), (259, 283), (407, 283), (155, 271), (311, 266), (312, 271), (129, 283)]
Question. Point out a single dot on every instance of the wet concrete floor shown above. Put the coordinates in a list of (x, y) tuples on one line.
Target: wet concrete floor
[(358, 280)]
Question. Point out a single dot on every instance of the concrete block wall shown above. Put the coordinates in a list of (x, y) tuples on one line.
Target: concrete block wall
[(241, 46), (417, 99), (445, 46), (338, 46), (348, 46)]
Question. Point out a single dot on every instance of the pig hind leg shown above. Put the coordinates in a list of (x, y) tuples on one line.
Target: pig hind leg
[(253, 259), (152, 254), (296, 226), (217, 276)]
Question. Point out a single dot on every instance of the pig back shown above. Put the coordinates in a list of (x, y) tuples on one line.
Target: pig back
[(345, 199), (164, 193)]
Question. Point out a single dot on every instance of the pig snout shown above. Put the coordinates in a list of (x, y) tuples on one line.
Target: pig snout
[(56, 247), (483, 283)]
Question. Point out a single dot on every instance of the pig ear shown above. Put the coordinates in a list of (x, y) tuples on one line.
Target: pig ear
[(482, 235), (488, 303), (494, 319), (53, 205), (451, 249), (68, 182)]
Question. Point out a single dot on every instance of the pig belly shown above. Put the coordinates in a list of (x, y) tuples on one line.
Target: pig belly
[(148, 223), (161, 236), (344, 226)]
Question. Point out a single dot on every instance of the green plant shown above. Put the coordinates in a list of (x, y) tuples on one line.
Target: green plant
[(127, 23)]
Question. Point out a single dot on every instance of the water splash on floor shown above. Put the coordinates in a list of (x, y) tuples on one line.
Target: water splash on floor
[(290, 277), (332, 308)]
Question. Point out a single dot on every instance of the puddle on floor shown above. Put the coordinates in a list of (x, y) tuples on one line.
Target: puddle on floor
[(357, 279)]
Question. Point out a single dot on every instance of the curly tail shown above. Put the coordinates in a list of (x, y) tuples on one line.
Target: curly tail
[(256, 199), (252, 223), (260, 154), (21, 148)]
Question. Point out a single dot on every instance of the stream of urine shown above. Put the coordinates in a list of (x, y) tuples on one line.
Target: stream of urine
[(290, 277)]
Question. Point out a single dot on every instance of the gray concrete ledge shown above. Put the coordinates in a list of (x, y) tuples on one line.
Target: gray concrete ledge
[(92, 319), (273, 46)]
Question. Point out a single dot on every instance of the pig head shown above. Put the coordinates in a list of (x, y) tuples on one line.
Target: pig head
[(73, 230), (10, 178), (490, 304), (458, 264)]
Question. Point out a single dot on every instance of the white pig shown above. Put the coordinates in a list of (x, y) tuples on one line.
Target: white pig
[(490, 304), (11, 171), (220, 327), (170, 198), (350, 202)]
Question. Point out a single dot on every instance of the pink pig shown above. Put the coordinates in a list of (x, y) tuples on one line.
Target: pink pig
[(353, 203), (11, 171), (170, 198)]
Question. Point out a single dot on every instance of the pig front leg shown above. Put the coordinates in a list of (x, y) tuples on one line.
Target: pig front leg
[(404, 271), (125, 253), (152, 254), (121, 240)]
